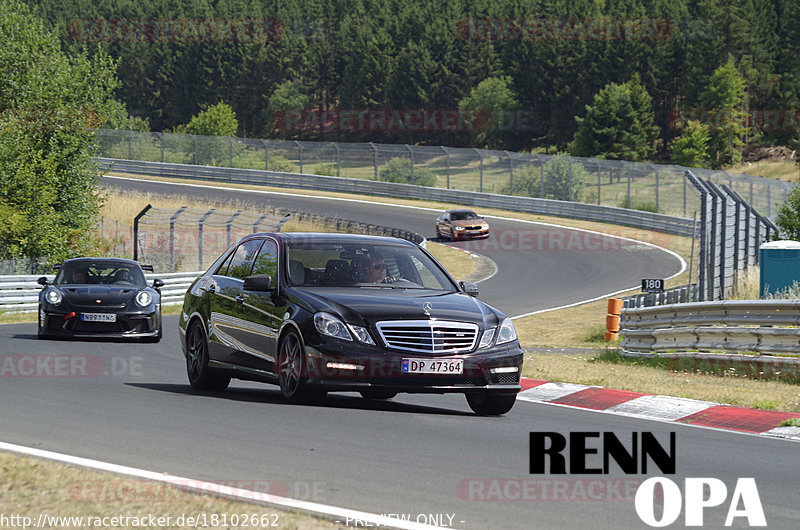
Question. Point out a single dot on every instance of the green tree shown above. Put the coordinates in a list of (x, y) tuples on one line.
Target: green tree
[(788, 219), (49, 104), (564, 180), (619, 124), (691, 148), (492, 101), (217, 120), (399, 170), (287, 97), (722, 99)]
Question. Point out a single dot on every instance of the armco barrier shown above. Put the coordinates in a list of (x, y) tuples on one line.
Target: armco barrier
[(589, 212), (734, 326), (21, 293)]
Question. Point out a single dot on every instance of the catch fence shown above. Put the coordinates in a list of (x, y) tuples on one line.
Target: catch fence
[(632, 185)]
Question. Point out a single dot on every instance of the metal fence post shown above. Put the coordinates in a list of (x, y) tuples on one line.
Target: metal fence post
[(299, 154), (629, 185), (161, 137), (130, 145), (570, 179), (172, 238), (657, 208), (230, 151), (510, 173), (229, 223), (598, 185), (338, 159), (266, 155), (200, 237), (447, 159), (374, 159), (195, 149), (541, 177), (136, 231), (411, 157), (480, 163)]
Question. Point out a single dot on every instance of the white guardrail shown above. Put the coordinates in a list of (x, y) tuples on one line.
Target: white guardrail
[(732, 326), (21, 293)]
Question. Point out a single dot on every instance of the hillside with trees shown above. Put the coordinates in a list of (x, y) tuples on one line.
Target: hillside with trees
[(550, 66)]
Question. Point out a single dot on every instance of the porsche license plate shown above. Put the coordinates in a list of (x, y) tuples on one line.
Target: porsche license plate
[(99, 317), (433, 366)]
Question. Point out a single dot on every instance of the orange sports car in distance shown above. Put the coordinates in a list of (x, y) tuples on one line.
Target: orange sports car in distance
[(461, 224)]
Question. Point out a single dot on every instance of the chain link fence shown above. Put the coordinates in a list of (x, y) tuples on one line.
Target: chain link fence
[(640, 186)]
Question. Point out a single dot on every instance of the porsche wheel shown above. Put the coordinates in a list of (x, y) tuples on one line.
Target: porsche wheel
[(292, 370), (201, 376), (491, 404)]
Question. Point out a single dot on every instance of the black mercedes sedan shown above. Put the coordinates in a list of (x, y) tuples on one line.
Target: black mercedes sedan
[(315, 313), (100, 297)]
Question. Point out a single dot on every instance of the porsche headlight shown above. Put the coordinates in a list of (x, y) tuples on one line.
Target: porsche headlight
[(331, 326), (506, 332), (53, 296), (144, 298)]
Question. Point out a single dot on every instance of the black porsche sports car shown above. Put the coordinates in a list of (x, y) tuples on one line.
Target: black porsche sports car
[(100, 297), (315, 313)]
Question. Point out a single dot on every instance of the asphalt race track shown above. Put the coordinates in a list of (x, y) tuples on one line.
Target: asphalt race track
[(413, 455)]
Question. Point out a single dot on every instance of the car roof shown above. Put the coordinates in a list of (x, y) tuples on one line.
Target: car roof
[(330, 237), (122, 261), (459, 210)]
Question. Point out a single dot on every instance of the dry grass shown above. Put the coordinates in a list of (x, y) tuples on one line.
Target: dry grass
[(786, 170), (31, 487), (729, 389)]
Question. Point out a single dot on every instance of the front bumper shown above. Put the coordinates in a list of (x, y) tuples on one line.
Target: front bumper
[(382, 370), (470, 234), (129, 325)]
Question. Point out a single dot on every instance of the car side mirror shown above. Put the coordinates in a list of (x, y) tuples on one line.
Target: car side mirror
[(158, 284), (258, 282), (469, 287), (42, 281)]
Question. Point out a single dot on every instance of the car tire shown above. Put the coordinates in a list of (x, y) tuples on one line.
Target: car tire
[(292, 371), (484, 404), (452, 235), (201, 376), (377, 394)]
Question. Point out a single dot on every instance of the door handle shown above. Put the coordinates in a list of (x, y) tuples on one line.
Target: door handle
[(240, 299)]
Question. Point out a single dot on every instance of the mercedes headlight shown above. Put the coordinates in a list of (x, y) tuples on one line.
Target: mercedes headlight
[(506, 332), (486, 339), (362, 334), (143, 298), (53, 296), (331, 326)]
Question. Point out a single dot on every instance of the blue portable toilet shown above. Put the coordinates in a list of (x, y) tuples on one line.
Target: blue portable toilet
[(779, 263)]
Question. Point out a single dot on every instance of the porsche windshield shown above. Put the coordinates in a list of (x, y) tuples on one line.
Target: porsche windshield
[(375, 265), (100, 272)]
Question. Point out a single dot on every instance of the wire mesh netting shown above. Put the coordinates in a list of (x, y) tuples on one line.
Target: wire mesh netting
[(640, 186), (192, 238)]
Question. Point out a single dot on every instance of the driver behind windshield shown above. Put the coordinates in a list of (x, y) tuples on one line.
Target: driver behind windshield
[(375, 268)]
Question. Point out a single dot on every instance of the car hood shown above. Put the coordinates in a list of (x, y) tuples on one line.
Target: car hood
[(89, 295), (468, 222), (370, 305)]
